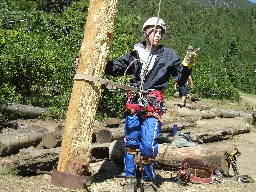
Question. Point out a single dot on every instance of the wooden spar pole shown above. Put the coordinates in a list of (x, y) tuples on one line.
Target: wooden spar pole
[(77, 137)]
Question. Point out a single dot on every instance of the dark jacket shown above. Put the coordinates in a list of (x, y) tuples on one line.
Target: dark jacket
[(167, 64)]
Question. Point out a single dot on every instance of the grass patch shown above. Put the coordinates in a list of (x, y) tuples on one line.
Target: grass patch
[(8, 171)]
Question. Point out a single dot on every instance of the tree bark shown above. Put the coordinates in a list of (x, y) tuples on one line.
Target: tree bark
[(77, 138), (12, 141)]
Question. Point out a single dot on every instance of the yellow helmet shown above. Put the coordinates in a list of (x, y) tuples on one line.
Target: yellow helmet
[(156, 21)]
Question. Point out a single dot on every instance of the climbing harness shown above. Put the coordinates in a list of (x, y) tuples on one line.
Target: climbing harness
[(148, 103)]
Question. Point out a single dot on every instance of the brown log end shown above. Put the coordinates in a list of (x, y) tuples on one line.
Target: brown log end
[(103, 136)]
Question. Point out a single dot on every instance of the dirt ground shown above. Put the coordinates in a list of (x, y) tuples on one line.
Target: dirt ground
[(113, 181)]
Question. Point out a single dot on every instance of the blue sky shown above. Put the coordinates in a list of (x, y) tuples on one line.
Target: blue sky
[(254, 1)]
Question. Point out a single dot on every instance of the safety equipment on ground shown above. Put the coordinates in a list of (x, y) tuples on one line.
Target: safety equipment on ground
[(183, 175), (231, 158), (191, 55), (155, 21), (200, 171), (220, 177)]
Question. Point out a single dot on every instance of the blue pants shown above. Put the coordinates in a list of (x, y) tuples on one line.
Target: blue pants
[(183, 90), (141, 133)]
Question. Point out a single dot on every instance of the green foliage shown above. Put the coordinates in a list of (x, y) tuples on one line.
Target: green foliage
[(37, 55)]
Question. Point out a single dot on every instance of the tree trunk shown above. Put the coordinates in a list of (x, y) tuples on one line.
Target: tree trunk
[(12, 141), (77, 137)]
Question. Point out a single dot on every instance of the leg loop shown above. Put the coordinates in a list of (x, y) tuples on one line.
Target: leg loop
[(146, 160)]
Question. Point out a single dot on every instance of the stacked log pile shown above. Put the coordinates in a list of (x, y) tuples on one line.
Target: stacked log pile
[(32, 148)]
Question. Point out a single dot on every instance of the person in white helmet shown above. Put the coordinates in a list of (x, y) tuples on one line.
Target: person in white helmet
[(150, 66)]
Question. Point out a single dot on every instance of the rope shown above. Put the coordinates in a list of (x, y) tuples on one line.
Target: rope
[(145, 71), (147, 62)]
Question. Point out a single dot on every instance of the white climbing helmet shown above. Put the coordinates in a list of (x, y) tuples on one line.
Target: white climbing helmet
[(155, 21)]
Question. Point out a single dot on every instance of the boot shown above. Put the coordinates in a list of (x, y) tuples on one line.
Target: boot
[(148, 186), (130, 184)]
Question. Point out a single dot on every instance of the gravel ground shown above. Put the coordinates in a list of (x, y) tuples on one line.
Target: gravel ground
[(113, 182), (43, 183)]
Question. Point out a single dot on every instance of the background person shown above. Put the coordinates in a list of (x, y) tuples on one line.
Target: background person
[(183, 91)]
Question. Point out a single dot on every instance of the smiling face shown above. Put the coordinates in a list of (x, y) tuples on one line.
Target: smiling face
[(153, 36)]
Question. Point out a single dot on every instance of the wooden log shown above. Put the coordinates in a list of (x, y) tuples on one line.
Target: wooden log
[(182, 124), (104, 136), (12, 141), (77, 137), (103, 165), (170, 158), (193, 97), (113, 123), (220, 135), (52, 140), (29, 160), (212, 130), (25, 110), (199, 133), (227, 113), (203, 114)]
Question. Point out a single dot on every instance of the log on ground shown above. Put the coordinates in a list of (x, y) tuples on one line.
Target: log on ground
[(227, 113), (25, 110), (29, 160), (170, 158), (52, 140), (12, 141), (211, 130)]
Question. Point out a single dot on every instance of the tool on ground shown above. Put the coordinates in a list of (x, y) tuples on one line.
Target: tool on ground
[(231, 157)]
